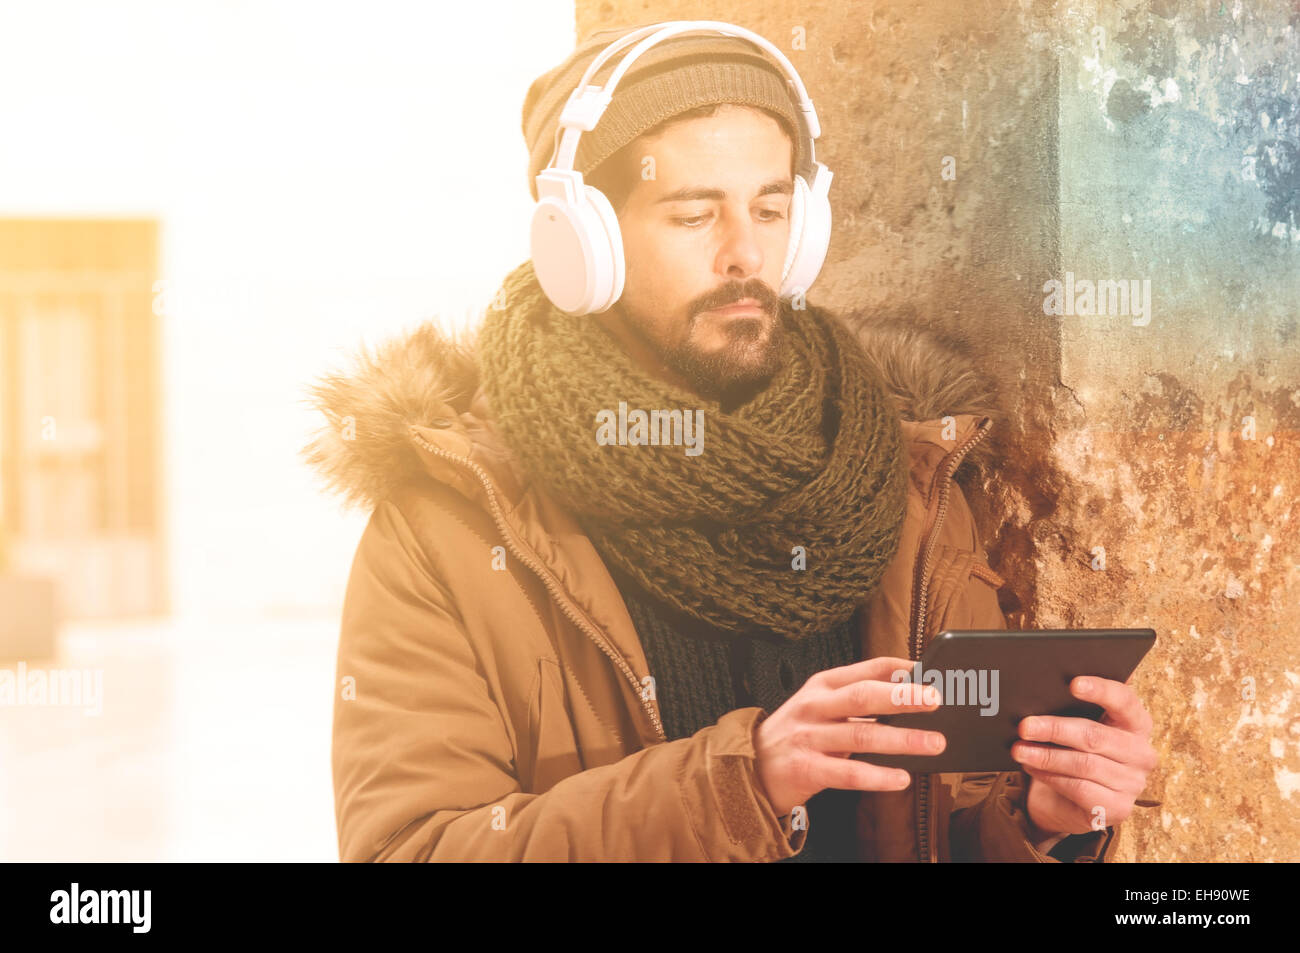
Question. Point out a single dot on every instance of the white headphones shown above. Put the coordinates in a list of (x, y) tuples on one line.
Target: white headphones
[(577, 248)]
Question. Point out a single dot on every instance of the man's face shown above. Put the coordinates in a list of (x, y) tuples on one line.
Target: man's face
[(710, 230)]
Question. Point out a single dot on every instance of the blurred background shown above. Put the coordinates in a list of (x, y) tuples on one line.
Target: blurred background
[(202, 207)]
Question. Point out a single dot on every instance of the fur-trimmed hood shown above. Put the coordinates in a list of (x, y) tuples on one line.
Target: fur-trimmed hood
[(366, 449)]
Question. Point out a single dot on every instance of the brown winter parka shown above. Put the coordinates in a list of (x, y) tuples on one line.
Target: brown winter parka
[(493, 699)]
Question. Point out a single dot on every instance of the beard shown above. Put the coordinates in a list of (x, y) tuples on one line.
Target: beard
[(740, 369), (752, 353)]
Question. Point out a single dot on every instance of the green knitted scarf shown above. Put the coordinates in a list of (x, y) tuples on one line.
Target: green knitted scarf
[(784, 521)]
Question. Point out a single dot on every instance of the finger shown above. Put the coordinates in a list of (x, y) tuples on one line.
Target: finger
[(852, 775), (1084, 734), (1121, 778), (1088, 795), (1122, 704), (872, 697), (879, 668), (871, 737)]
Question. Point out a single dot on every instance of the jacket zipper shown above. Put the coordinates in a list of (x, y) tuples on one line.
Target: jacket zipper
[(949, 464), (572, 611)]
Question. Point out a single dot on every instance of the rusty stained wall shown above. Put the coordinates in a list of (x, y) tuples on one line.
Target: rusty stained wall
[(1137, 151)]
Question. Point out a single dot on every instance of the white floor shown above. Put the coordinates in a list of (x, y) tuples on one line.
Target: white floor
[(213, 744)]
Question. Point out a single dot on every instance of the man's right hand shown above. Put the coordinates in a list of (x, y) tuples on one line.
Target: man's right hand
[(804, 746)]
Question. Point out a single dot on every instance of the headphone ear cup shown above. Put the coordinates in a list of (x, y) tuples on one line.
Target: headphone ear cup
[(608, 265), (798, 202), (577, 252), (810, 240)]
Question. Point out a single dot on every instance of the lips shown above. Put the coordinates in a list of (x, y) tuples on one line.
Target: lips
[(745, 307)]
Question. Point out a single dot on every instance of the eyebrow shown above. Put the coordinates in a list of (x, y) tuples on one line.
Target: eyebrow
[(699, 193)]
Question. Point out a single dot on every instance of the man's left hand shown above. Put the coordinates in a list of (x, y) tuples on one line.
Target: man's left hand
[(1091, 782)]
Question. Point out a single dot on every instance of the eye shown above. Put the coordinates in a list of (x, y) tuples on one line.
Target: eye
[(697, 219)]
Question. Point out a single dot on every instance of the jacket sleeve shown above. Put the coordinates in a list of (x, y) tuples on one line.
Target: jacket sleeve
[(423, 759), (995, 827)]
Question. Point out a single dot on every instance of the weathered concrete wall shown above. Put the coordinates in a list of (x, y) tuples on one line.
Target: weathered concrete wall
[(1180, 135), (1137, 140)]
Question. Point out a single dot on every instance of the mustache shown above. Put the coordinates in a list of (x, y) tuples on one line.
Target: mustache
[(730, 294)]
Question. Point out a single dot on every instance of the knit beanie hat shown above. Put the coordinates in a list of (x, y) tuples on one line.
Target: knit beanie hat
[(671, 77)]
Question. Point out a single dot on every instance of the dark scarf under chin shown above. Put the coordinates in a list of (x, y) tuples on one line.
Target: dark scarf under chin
[(785, 521)]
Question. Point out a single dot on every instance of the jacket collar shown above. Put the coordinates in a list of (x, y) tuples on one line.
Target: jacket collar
[(425, 383)]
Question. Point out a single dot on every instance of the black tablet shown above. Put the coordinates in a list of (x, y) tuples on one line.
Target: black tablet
[(991, 679)]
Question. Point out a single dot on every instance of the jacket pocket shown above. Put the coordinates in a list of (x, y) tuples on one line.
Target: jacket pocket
[(549, 752)]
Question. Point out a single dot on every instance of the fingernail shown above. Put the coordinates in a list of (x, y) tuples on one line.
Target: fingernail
[(1030, 725), (1084, 686)]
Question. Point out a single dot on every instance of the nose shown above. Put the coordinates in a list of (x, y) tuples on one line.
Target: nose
[(741, 255)]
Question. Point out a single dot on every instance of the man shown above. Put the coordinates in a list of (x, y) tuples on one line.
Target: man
[(568, 636)]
